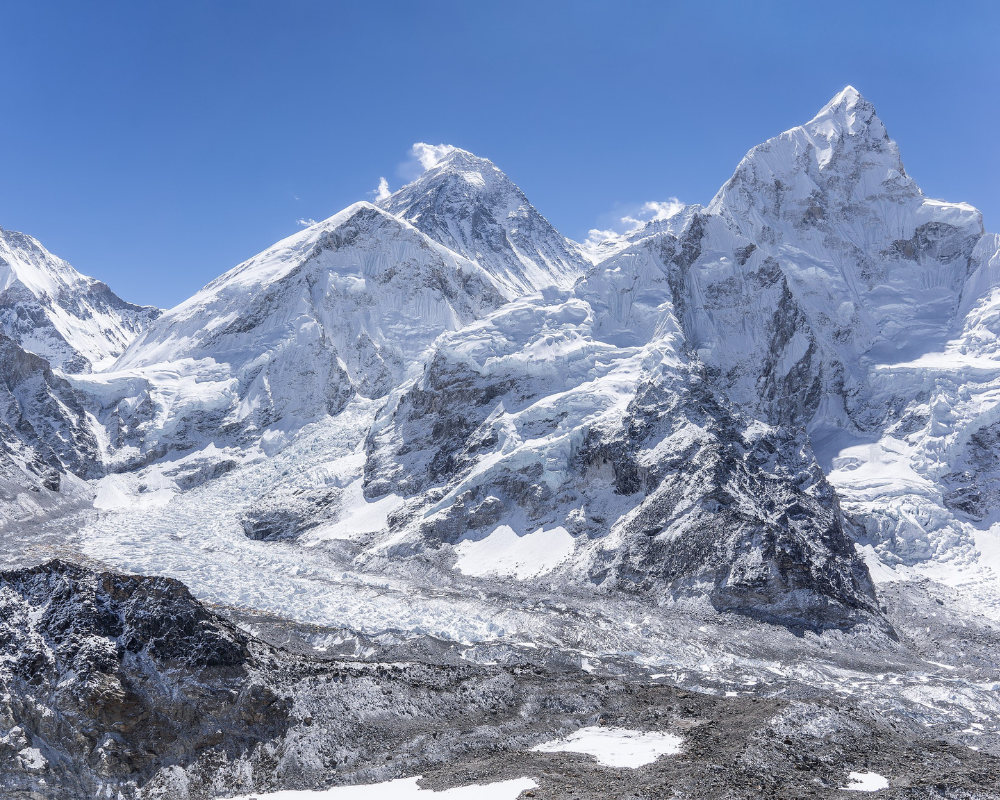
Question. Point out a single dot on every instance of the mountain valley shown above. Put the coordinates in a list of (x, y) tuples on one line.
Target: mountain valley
[(427, 484)]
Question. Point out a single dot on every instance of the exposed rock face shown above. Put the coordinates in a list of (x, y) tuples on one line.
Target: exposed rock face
[(108, 678), (41, 414), (739, 511)]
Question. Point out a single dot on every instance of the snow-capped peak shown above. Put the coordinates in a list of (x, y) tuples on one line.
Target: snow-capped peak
[(24, 260), (471, 207), (843, 154), (847, 114), (454, 162), (75, 322)]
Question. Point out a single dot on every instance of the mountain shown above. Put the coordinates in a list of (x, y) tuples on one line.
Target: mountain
[(344, 308), (659, 422), (827, 292), (74, 322), (625, 418), (751, 446), (53, 322), (465, 203), (873, 271)]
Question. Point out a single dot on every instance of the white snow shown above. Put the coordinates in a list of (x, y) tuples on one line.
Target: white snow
[(402, 789), (866, 782), (32, 758), (504, 552), (616, 747)]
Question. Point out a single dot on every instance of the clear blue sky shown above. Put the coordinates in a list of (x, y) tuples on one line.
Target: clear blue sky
[(155, 145)]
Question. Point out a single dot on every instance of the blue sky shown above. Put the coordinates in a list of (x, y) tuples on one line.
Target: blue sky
[(155, 145)]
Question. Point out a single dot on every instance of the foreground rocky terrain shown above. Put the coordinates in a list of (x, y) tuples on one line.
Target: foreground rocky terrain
[(123, 686)]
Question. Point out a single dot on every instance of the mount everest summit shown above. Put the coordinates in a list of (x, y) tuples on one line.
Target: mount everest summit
[(768, 408)]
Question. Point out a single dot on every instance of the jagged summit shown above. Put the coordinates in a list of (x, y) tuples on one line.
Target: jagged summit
[(848, 113), (75, 322), (848, 116), (470, 206), (845, 149)]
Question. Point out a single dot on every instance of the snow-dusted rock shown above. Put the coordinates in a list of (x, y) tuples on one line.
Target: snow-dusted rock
[(109, 677)]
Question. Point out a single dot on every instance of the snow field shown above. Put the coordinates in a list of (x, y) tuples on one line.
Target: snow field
[(504, 552), (866, 782)]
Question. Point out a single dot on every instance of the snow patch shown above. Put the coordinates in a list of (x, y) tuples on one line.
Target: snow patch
[(866, 782), (616, 747), (401, 790), (504, 552)]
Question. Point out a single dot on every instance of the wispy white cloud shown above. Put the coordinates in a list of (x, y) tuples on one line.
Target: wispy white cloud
[(630, 218), (653, 211), (305, 223), (423, 157), (430, 155)]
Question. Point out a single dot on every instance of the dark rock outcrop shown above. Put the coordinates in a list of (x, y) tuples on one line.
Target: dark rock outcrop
[(108, 678)]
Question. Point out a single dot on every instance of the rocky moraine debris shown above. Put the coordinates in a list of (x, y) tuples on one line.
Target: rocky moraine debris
[(124, 686)]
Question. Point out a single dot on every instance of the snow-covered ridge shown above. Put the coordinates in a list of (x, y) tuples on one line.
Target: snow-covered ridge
[(74, 322)]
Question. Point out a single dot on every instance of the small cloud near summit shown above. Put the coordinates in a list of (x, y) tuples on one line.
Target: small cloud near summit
[(651, 211), (430, 155), (382, 192), (423, 157), (305, 223)]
